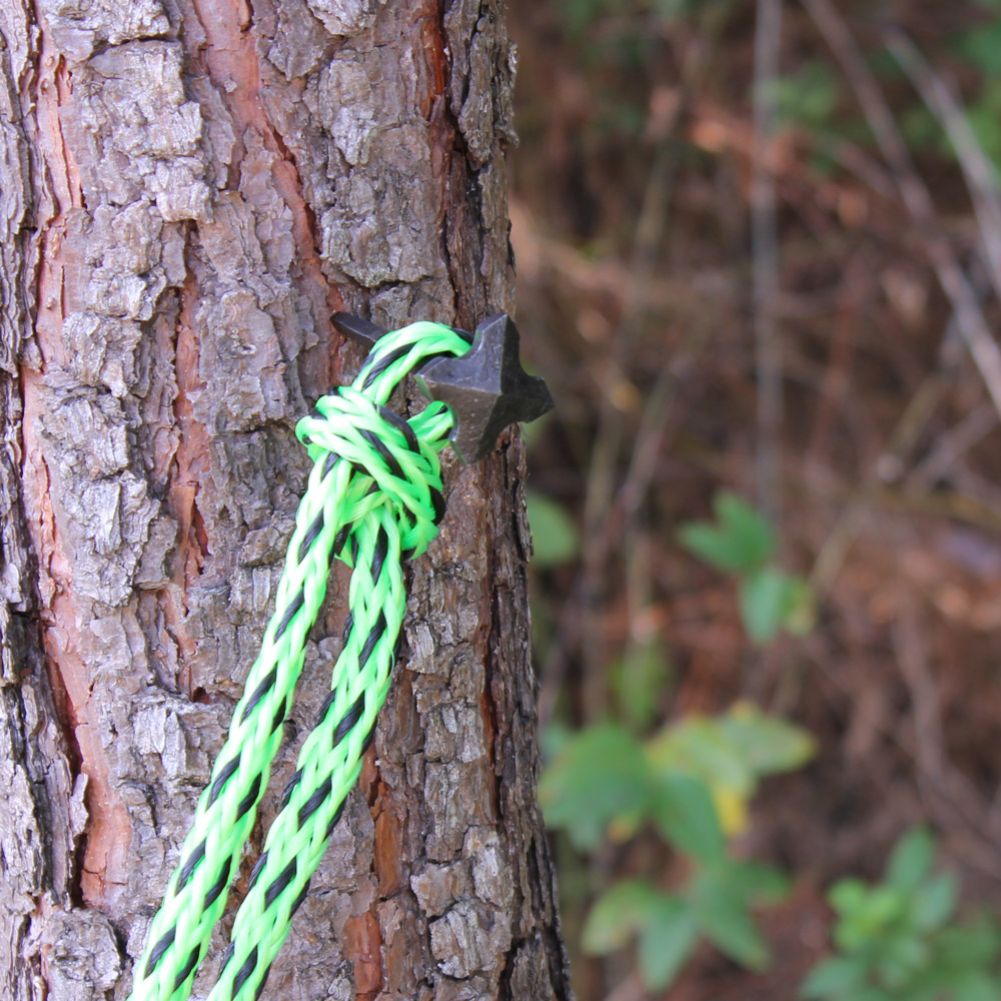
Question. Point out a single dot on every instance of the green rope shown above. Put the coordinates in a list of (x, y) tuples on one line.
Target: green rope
[(373, 499)]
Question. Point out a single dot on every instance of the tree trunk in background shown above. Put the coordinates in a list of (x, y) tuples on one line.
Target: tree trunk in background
[(189, 187)]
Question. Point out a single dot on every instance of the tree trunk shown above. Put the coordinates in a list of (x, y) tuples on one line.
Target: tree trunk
[(189, 188)]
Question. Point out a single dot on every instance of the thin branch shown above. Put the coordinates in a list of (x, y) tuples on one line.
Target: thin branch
[(980, 174), (889, 466), (764, 249), (914, 192), (950, 446)]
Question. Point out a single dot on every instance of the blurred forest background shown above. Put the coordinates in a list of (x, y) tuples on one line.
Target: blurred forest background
[(759, 255)]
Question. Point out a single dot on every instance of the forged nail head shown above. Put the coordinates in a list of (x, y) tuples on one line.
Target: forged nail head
[(486, 388)]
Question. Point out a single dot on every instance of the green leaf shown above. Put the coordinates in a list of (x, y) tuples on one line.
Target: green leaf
[(848, 896), (555, 538), (617, 915), (974, 943), (903, 962), (801, 615), (741, 541), (665, 924), (922, 131), (766, 744), (756, 883), (724, 918), (639, 681), (553, 737), (768, 598), (911, 859), (599, 774), (685, 813), (934, 902), (985, 119), (808, 97), (982, 47), (877, 915), (698, 745), (730, 753), (580, 14), (671, 9), (666, 941), (837, 979), (976, 986)]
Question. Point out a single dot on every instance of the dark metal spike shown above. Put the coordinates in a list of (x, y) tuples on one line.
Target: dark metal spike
[(363, 332), (486, 388)]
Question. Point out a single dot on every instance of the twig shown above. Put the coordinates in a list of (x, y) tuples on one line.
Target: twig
[(952, 799), (914, 192), (912, 658), (980, 174), (603, 473), (611, 432), (622, 510), (889, 466), (950, 446), (764, 250)]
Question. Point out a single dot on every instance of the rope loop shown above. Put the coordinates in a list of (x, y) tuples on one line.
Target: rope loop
[(392, 465), (373, 498)]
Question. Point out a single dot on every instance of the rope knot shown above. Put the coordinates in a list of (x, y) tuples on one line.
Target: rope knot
[(392, 464)]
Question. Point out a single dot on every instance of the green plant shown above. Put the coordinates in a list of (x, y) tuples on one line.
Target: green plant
[(555, 539), (690, 782), (979, 48), (731, 753), (638, 679), (742, 542), (809, 97), (899, 940)]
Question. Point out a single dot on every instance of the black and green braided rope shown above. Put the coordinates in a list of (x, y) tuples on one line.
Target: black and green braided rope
[(373, 499)]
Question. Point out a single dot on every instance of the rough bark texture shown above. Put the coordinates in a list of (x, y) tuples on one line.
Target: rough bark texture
[(189, 187)]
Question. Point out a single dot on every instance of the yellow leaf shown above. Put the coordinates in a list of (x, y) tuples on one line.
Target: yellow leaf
[(731, 807)]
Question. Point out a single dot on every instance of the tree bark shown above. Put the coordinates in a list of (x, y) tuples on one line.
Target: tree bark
[(189, 188)]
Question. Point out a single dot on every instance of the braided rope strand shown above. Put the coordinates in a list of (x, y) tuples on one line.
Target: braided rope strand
[(373, 498), (328, 766), (331, 757), (196, 894)]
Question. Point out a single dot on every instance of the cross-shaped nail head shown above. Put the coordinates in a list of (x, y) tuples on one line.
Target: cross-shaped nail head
[(486, 388)]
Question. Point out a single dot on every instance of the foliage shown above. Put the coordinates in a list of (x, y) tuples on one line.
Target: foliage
[(809, 97), (637, 681), (690, 782), (598, 775), (981, 46), (854, 279), (731, 753), (985, 118), (900, 941), (742, 542), (715, 904), (555, 538)]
